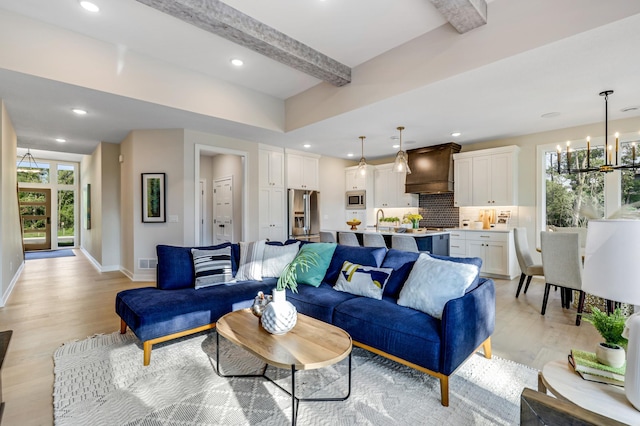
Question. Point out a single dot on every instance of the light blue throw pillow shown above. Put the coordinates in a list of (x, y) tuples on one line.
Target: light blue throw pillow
[(315, 274), (433, 282)]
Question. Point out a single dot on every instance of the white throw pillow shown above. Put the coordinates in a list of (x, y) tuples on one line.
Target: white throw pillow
[(433, 282), (361, 280), (250, 267), (277, 257)]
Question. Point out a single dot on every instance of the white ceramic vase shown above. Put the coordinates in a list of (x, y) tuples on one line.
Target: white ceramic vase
[(611, 356), (279, 316)]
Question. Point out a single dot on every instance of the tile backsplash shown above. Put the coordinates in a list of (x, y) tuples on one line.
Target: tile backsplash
[(437, 211)]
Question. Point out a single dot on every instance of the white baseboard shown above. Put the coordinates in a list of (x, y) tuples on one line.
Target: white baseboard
[(12, 284)]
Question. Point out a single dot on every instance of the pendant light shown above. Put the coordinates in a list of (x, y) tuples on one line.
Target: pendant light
[(400, 165), (362, 165)]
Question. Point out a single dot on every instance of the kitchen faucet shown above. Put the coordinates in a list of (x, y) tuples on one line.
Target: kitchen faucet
[(378, 220)]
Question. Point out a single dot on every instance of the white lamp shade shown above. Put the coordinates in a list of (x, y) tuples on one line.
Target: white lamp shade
[(612, 260)]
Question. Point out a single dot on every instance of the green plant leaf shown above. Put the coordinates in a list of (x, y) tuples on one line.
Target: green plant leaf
[(610, 327), (289, 277)]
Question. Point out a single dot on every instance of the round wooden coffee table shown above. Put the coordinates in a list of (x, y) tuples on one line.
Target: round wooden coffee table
[(309, 345)]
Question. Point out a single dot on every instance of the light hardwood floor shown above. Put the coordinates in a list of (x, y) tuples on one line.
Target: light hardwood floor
[(64, 299)]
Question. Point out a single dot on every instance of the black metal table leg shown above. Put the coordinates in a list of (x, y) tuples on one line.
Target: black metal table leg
[(295, 401)]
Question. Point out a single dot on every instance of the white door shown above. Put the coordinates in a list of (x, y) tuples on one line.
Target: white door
[(223, 210), (204, 239)]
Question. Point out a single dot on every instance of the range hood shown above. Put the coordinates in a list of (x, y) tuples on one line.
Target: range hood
[(431, 169)]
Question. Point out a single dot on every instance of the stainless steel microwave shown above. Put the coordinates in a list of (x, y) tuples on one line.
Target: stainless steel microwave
[(356, 199)]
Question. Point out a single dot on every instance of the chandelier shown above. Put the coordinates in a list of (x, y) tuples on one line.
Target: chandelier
[(609, 154), (31, 168)]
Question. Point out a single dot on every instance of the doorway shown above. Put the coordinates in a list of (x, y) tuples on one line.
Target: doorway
[(223, 210), (35, 218)]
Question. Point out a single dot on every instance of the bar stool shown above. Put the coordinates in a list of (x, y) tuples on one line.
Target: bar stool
[(327, 237), (348, 239), (402, 242), (374, 240)]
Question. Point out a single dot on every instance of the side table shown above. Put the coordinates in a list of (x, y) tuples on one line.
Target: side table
[(610, 401), (5, 337)]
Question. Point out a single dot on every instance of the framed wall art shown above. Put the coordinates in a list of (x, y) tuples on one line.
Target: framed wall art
[(153, 198)]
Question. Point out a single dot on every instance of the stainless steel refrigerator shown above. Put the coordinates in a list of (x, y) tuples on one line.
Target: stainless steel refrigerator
[(304, 214)]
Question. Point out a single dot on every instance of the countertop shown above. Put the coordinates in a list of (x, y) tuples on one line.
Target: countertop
[(480, 230), (373, 231)]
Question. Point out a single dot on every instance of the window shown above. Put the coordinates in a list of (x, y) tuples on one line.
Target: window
[(29, 172)]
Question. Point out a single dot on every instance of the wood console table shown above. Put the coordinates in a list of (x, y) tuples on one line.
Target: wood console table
[(5, 337)]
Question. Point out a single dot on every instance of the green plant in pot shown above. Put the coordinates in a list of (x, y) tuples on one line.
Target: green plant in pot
[(280, 315), (610, 327)]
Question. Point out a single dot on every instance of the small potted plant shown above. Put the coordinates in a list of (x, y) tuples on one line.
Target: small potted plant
[(610, 327), (280, 315)]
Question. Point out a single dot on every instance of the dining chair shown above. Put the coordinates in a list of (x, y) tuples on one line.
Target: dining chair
[(373, 240), (327, 237), (402, 242), (562, 263), (527, 266), (348, 239)]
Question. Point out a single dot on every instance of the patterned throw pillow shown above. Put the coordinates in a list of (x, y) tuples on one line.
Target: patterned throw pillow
[(277, 257), (212, 267), (251, 255), (433, 282), (362, 280)]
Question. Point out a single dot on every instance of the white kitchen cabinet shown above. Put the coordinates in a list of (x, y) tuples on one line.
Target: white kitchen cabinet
[(495, 248), (486, 177), (389, 189), (457, 244), (271, 168), (356, 181), (272, 217), (302, 172)]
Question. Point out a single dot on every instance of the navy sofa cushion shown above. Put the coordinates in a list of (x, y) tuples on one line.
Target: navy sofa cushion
[(318, 302), (175, 266), (401, 262), (367, 256), (151, 313), (382, 324)]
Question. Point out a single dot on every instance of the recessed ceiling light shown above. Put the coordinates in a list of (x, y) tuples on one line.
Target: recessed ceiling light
[(456, 134), (91, 7), (395, 146), (550, 114), (237, 62), (79, 111), (350, 154), (631, 108), (307, 145), (61, 140)]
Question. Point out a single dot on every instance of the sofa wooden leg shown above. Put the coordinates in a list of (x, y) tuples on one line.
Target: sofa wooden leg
[(486, 347), (123, 327), (444, 391), (146, 347)]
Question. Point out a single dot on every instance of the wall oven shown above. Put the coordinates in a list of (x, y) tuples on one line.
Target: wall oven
[(356, 200)]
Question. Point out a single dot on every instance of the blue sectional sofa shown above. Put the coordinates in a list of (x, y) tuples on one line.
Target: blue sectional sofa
[(174, 308)]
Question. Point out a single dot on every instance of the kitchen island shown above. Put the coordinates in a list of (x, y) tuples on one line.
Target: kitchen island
[(436, 242)]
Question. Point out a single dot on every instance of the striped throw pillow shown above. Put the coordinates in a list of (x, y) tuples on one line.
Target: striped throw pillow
[(212, 267)]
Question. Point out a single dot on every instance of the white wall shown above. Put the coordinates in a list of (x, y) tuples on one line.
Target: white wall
[(332, 188), (11, 254)]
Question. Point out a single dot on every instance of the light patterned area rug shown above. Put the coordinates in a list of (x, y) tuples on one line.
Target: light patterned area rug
[(101, 381)]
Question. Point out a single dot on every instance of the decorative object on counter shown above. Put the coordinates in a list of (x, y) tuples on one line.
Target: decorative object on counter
[(401, 165), (487, 217), (610, 272), (354, 224), (415, 219), (465, 223), (260, 302), (477, 224), (280, 316), (610, 327), (362, 165)]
